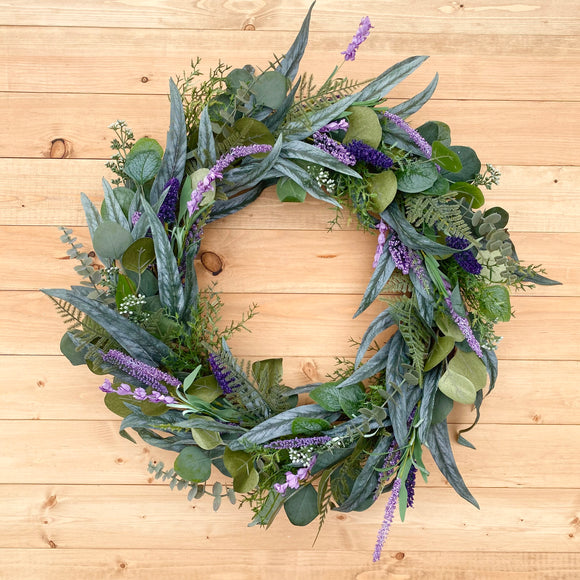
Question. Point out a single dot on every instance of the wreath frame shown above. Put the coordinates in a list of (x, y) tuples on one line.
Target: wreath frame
[(142, 318)]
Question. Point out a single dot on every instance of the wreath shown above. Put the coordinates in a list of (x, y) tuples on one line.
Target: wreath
[(139, 315)]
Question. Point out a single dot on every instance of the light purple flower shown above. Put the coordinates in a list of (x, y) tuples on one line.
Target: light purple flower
[(280, 487), (387, 520), (383, 228), (216, 172), (341, 125), (361, 35), (424, 147), (334, 148), (140, 394), (135, 218), (293, 481), (124, 389), (463, 323), (400, 253), (107, 387)]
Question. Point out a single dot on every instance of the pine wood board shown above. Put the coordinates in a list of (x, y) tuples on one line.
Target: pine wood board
[(308, 325), (92, 452), (266, 261), (144, 517), (49, 387), (547, 17), (500, 132), (307, 564), (47, 192), (77, 60)]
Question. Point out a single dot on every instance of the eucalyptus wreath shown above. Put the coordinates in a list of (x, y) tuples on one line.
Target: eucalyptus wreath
[(443, 268)]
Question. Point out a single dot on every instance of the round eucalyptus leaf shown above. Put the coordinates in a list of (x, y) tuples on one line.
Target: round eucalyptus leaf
[(435, 131), (445, 157), (193, 464), (238, 78), (302, 507), (143, 167), (111, 240), (471, 165), (115, 403), (441, 408), (69, 349), (139, 255), (205, 438), (440, 187), (469, 192), (384, 188), (270, 89), (504, 216), (363, 125), (241, 467), (417, 177)]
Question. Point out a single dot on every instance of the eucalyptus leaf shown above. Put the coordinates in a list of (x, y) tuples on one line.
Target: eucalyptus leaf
[(193, 464), (383, 187), (110, 240), (470, 366), (139, 255), (69, 349), (270, 89), (457, 387), (417, 176), (469, 192), (289, 191), (445, 157), (363, 125), (435, 131), (471, 165), (241, 467), (205, 438), (302, 507), (143, 161)]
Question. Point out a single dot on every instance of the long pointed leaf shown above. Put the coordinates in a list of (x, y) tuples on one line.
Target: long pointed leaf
[(374, 365), (174, 158), (92, 214), (136, 341), (437, 441), (306, 152), (380, 323), (191, 287), (168, 276), (206, 153), (114, 207), (430, 381), (304, 180), (380, 276), (413, 104), (277, 118), (291, 60)]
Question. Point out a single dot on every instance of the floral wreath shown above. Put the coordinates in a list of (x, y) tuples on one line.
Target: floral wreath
[(140, 316)]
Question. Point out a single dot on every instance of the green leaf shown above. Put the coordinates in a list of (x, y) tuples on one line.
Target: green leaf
[(168, 275), (125, 287), (205, 438), (111, 240), (351, 398), (193, 464), (289, 191), (440, 187), (314, 155), (253, 132), (205, 388), (471, 367), (290, 62), (363, 125), (445, 157), (380, 276), (115, 403), (270, 89), (241, 467), (471, 165), (302, 507), (309, 426), (378, 325), (69, 349), (144, 160), (435, 131), (417, 176), (327, 396), (448, 327), (112, 208), (442, 406), (469, 192), (457, 387), (441, 350), (383, 187), (413, 104), (92, 215), (139, 255), (206, 152), (495, 303), (173, 163), (504, 216), (238, 78)]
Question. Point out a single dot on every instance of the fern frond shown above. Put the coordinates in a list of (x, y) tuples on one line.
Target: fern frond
[(324, 499), (70, 314), (443, 213), (398, 283), (414, 332)]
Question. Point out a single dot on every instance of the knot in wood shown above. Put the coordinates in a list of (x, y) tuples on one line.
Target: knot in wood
[(212, 263), (144, 79), (59, 149)]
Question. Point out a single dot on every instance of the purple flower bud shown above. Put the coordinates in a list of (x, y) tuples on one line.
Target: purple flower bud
[(361, 35), (140, 394), (298, 442), (465, 259), (107, 387), (369, 155), (334, 148), (387, 520), (167, 211), (383, 228), (124, 389), (415, 136)]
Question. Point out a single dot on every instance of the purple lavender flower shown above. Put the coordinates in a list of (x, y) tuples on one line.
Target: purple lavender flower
[(369, 155), (135, 218), (124, 389), (400, 253), (140, 394), (361, 35), (410, 485), (391, 461), (465, 259), (107, 387), (168, 208), (298, 442), (341, 125), (334, 148), (216, 172), (224, 376), (463, 324), (420, 271), (293, 480), (141, 371), (424, 147), (387, 520), (380, 242)]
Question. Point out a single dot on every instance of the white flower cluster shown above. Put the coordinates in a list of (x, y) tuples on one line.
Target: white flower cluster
[(131, 306), (323, 178), (301, 456)]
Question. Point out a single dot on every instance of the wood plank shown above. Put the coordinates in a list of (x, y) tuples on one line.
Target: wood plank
[(47, 192), (144, 517), (56, 452), (258, 564), (547, 17), (268, 261), (77, 60), (308, 325), (36, 121), (48, 387)]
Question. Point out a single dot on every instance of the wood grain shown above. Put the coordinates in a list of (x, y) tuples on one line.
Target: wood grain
[(39, 126)]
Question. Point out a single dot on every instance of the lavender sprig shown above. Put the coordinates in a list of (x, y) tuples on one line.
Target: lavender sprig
[(369, 155), (424, 147), (387, 520), (149, 375), (401, 255), (410, 485), (382, 238), (216, 172), (225, 378), (298, 442), (168, 208), (361, 35), (139, 394), (465, 259), (334, 148), (341, 125)]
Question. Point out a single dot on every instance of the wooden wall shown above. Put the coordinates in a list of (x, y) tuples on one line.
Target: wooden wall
[(75, 499)]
